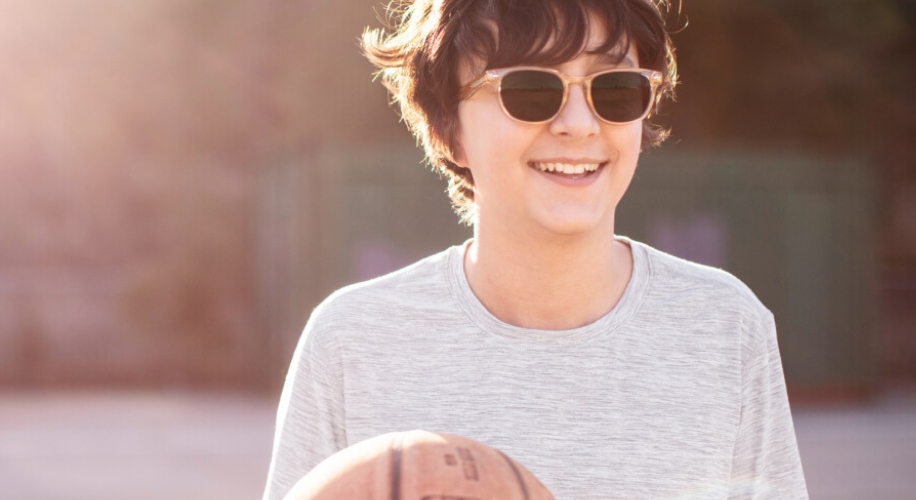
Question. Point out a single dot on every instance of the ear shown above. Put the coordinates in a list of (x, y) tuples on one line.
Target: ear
[(459, 157), (458, 154)]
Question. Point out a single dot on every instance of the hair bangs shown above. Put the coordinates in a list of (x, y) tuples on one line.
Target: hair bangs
[(549, 33)]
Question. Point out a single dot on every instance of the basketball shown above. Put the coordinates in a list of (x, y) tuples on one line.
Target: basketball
[(419, 465)]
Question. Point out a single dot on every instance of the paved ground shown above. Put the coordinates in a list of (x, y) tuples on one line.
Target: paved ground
[(134, 446), (856, 452)]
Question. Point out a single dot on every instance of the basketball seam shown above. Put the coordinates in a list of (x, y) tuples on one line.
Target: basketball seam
[(518, 475), (396, 470)]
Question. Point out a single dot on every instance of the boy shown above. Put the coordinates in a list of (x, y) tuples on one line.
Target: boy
[(609, 369)]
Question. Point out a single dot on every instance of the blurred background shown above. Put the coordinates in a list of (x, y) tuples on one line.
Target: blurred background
[(181, 182)]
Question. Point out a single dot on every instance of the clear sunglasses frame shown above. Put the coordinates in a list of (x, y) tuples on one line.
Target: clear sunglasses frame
[(496, 76)]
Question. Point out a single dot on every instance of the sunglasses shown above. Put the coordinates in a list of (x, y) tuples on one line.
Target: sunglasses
[(537, 95)]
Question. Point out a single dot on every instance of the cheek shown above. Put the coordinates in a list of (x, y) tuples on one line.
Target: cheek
[(639, 135), (484, 135), (628, 140), (634, 133)]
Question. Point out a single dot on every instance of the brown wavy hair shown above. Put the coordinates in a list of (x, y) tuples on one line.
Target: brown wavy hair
[(420, 58)]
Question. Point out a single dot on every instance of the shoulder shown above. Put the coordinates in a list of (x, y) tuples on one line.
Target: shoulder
[(691, 286), (705, 302), (417, 282), (395, 298)]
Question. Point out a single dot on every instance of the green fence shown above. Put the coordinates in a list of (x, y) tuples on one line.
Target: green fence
[(797, 229)]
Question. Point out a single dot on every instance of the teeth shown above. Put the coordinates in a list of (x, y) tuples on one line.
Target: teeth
[(567, 168)]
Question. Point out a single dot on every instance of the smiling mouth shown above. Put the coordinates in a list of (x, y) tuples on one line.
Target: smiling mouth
[(567, 169)]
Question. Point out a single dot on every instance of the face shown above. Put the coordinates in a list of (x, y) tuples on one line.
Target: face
[(515, 190)]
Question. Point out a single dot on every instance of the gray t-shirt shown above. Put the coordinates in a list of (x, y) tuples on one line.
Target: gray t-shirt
[(676, 393)]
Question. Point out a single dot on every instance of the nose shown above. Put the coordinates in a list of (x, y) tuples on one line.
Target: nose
[(576, 118)]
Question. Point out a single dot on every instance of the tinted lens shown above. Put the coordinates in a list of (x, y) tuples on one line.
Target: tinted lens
[(621, 97), (530, 95)]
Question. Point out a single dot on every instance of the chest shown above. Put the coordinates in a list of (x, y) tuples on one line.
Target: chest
[(611, 414)]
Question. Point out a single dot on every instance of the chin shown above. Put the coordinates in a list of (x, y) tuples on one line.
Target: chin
[(575, 223)]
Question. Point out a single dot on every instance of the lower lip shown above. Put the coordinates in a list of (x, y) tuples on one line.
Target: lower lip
[(579, 180)]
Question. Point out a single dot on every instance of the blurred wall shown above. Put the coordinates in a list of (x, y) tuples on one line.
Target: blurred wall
[(135, 141), (182, 181), (126, 143), (817, 77)]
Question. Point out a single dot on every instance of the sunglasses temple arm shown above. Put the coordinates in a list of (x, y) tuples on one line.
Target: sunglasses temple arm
[(470, 89)]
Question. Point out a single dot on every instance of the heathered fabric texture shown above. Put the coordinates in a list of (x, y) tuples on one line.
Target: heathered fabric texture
[(677, 393)]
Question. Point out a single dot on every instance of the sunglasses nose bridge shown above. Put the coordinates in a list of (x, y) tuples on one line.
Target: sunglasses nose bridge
[(583, 81), (576, 115), (585, 84)]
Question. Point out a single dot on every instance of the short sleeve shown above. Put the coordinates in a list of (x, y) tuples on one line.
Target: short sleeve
[(765, 461), (310, 424)]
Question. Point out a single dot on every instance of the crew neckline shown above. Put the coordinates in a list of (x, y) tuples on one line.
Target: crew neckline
[(605, 325)]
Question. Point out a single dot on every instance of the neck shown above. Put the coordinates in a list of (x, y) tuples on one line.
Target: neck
[(554, 283)]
